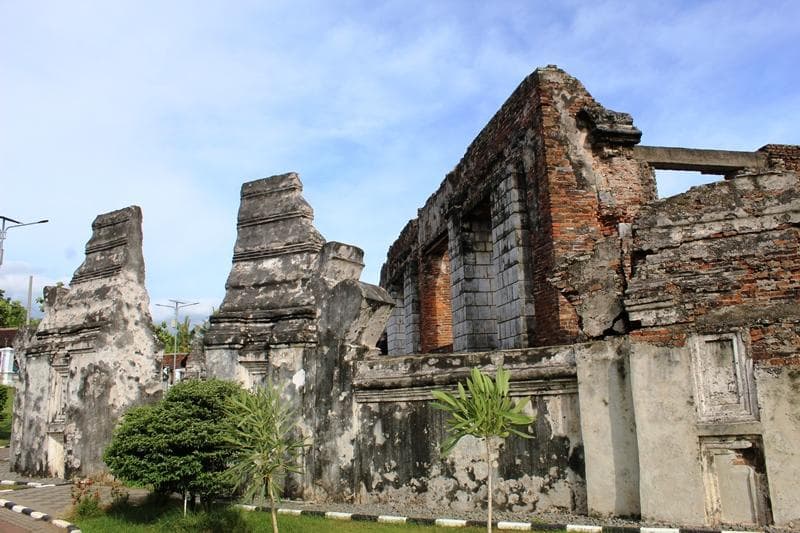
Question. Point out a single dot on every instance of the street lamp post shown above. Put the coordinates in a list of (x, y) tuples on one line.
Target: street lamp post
[(6, 227), (176, 304)]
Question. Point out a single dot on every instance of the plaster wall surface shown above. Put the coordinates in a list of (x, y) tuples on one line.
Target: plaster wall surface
[(608, 427), (713, 295), (779, 399), (397, 447), (666, 435), (93, 356)]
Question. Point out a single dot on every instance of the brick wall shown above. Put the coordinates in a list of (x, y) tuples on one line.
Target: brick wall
[(722, 257), (581, 196), (436, 312), (558, 179), (785, 155)]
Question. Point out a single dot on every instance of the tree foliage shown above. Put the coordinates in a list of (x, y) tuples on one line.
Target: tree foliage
[(262, 431), (177, 444), (12, 312), (4, 398), (187, 335), (486, 411)]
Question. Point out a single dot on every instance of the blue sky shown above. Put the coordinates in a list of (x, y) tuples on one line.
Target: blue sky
[(173, 105)]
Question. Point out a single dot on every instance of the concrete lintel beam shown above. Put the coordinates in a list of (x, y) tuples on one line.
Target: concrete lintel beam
[(696, 159)]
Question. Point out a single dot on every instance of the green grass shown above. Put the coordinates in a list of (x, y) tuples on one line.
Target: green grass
[(160, 516), (154, 517), (5, 421)]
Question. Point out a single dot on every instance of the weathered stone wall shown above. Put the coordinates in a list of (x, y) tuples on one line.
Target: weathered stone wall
[(295, 313), (713, 298), (93, 356), (555, 236), (397, 449)]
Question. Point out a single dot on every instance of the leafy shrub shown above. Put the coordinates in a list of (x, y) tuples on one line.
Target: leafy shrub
[(176, 445), (3, 399)]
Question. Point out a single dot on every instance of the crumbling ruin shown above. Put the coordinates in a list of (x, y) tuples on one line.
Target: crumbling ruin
[(295, 313), (93, 356), (658, 338)]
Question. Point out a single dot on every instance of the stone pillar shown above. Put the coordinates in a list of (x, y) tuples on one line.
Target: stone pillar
[(513, 295), (474, 322), (411, 308), (396, 327)]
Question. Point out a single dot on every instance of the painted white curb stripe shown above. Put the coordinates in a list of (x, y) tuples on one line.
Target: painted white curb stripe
[(659, 530), (584, 529), (517, 526), (18, 508), (389, 519), (60, 523), (8, 482), (338, 516), (247, 507), (292, 512), (36, 515), (450, 522), (7, 490), (723, 531)]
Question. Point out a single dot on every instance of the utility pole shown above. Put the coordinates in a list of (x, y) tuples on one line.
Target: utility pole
[(176, 304), (30, 300), (16, 224)]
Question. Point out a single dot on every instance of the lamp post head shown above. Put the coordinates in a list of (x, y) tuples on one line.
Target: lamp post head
[(16, 224)]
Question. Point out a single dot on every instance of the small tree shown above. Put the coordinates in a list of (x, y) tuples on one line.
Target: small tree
[(176, 445), (12, 313), (484, 410), (186, 335), (262, 432)]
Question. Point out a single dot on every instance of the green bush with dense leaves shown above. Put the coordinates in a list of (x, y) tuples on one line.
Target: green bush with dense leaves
[(177, 444), (6, 404), (3, 399), (12, 312)]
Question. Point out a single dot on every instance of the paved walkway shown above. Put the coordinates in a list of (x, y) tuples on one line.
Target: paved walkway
[(54, 501)]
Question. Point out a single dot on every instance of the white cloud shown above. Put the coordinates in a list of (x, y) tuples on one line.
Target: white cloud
[(173, 105), (15, 277)]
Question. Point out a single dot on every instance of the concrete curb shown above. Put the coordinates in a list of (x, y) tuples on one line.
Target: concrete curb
[(32, 484), (500, 525), (36, 515)]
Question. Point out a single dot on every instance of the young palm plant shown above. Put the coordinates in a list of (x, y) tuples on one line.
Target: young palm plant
[(262, 431), (484, 410)]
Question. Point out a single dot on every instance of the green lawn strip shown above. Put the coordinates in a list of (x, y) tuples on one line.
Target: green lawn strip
[(155, 518), (245, 522), (5, 422)]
